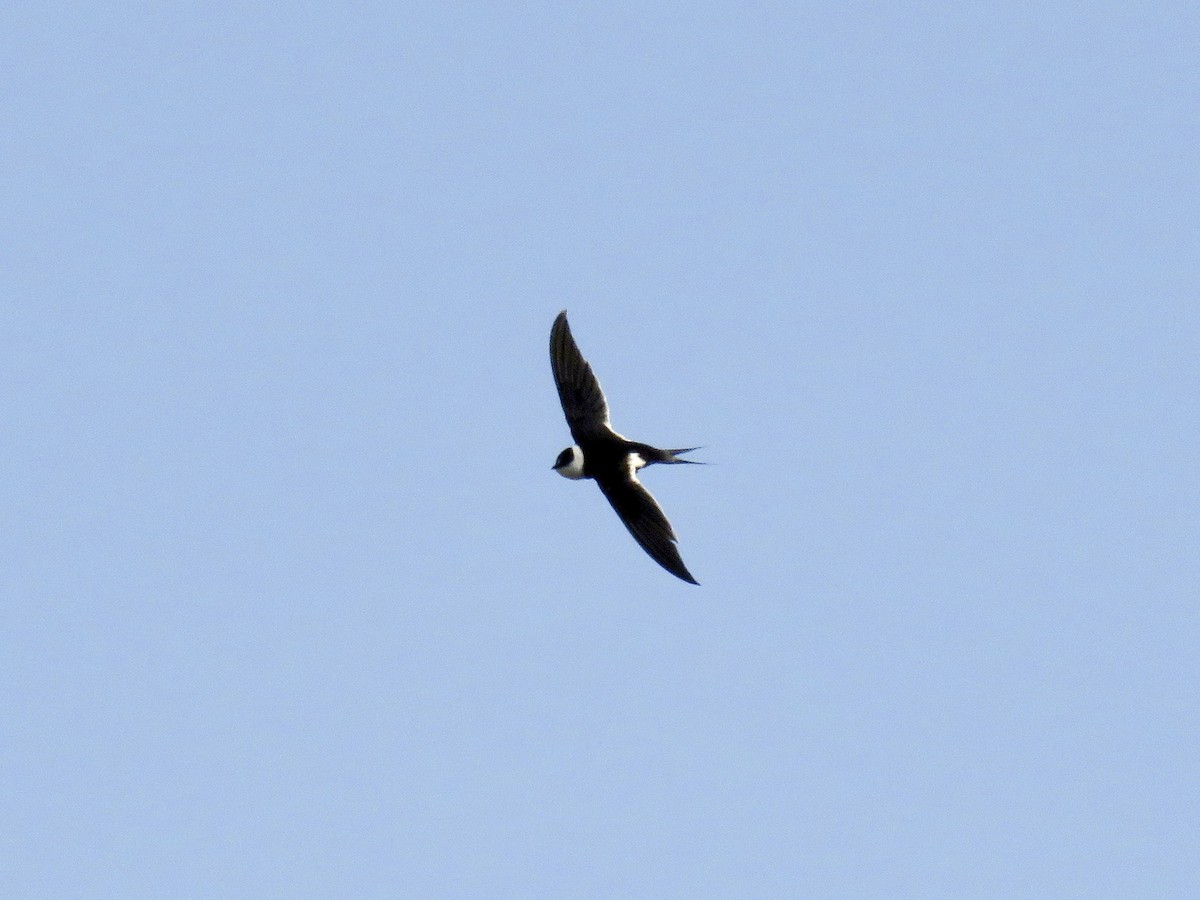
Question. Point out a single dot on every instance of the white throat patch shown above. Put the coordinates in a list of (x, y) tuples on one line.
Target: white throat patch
[(574, 467)]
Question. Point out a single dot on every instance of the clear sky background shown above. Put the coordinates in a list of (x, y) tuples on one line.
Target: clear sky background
[(293, 605)]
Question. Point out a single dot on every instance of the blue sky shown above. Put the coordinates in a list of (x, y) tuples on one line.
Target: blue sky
[(293, 604)]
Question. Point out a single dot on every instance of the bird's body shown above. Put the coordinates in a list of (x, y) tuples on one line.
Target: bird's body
[(609, 458)]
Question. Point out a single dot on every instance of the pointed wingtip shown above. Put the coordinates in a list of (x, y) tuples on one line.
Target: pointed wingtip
[(683, 574), (560, 324)]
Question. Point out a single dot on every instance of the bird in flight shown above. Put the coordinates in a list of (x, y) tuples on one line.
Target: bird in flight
[(610, 459)]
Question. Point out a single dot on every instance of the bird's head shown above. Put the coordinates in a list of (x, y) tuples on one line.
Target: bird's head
[(570, 463)]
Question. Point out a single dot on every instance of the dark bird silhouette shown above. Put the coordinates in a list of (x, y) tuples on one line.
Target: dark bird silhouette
[(609, 458)]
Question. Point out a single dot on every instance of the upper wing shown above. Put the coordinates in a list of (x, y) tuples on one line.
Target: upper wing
[(646, 522), (578, 390)]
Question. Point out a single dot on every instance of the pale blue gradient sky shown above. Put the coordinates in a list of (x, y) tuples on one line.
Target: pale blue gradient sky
[(293, 604)]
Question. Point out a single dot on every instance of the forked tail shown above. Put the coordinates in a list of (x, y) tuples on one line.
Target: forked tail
[(676, 453)]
